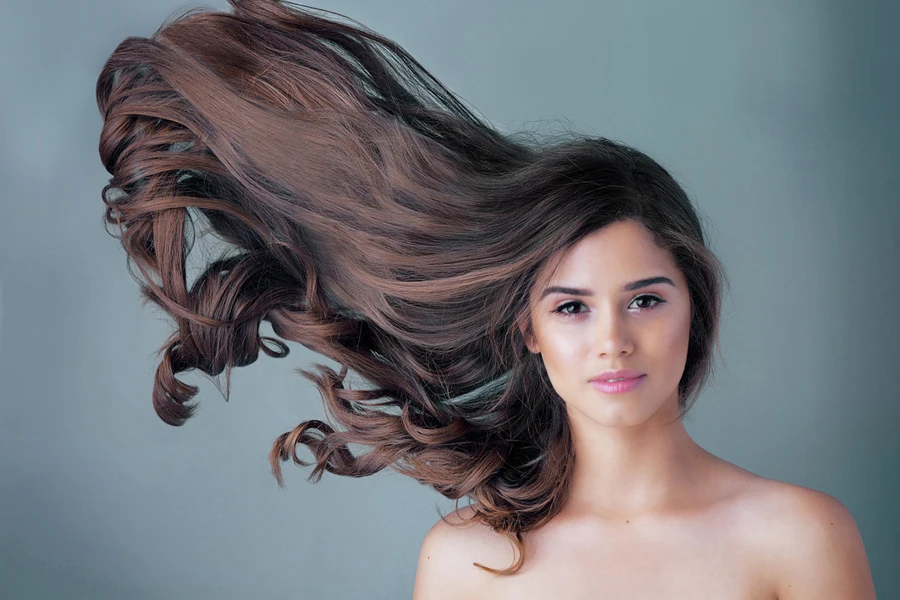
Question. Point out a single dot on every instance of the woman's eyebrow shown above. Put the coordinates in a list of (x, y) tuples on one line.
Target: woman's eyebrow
[(628, 287)]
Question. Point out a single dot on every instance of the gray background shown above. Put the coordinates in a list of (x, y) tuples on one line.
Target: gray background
[(779, 118)]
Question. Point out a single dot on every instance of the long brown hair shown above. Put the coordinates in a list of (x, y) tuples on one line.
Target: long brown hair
[(372, 217)]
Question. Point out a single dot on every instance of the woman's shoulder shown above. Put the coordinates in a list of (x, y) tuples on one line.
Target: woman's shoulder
[(785, 505), (776, 510), (810, 545), (449, 550), (468, 539)]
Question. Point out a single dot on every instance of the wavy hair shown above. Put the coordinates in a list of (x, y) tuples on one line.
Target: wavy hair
[(372, 217)]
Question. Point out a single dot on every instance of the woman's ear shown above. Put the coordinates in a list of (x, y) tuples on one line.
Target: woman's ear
[(522, 324)]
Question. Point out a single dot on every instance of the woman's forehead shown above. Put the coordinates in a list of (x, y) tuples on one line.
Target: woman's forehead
[(623, 251)]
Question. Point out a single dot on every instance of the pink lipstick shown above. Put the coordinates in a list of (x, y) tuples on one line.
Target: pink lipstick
[(623, 380), (618, 387)]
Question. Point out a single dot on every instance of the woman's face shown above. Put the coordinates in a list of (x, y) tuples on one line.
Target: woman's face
[(580, 334)]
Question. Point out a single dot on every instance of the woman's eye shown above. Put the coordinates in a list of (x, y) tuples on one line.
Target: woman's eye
[(562, 308), (653, 301), (656, 300)]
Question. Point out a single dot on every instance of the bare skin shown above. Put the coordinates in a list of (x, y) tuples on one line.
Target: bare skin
[(715, 547), (742, 537)]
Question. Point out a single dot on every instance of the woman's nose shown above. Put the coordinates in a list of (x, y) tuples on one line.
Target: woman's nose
[(613, 333)]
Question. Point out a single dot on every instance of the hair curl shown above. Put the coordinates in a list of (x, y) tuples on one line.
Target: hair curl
[(373, 218)]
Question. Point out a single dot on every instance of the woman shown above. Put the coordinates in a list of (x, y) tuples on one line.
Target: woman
[(488, 286)]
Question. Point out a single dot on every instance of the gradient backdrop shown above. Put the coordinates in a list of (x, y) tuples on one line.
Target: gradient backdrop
[(778, 117)]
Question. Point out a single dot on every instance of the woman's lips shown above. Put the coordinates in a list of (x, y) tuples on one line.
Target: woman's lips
[(618, 387)]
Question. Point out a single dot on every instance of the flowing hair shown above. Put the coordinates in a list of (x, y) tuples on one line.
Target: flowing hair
[(370, 216)]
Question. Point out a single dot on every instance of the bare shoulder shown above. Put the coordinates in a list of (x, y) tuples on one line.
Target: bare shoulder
[(446, 560), (812, 543)]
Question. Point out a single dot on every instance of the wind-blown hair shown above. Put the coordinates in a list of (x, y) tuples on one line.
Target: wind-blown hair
[(373, 218)]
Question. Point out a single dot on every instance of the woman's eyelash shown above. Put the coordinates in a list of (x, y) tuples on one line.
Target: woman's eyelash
[(561, 308)]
